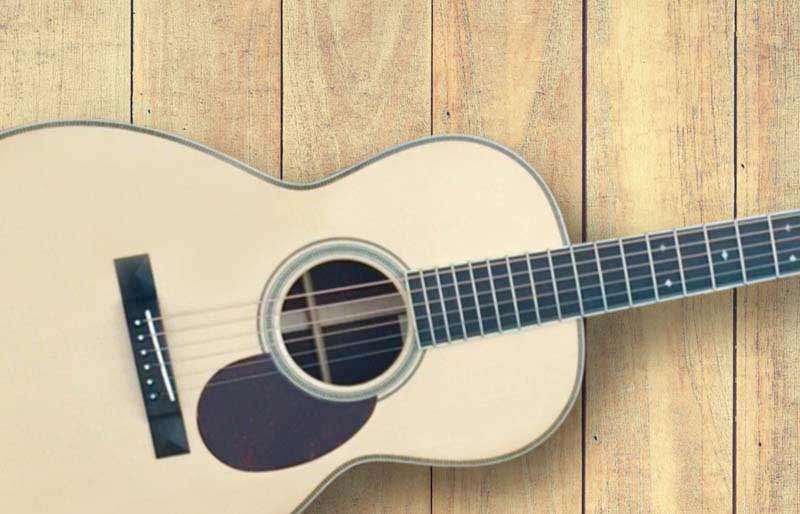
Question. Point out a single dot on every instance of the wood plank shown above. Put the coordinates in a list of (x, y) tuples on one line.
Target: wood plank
[(659, 154), (511, 71), (210, 71), (356, 80), (768, 357), (64, 61)]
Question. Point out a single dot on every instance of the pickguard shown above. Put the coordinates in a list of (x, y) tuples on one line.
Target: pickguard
[(252, 418)]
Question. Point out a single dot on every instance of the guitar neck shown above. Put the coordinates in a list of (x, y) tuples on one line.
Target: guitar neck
[(472, 299)]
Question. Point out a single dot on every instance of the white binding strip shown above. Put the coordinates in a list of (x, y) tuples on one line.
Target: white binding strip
[(513, 291), (151, 327)]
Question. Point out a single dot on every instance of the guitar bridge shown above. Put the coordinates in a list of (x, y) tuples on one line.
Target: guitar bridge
[(151, 355)]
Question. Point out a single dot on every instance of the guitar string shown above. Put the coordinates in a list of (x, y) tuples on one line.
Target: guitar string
[(446, 314), (221, 382), (389, 310), (455, 285), (611, 242), (600, 260), (334, 348)]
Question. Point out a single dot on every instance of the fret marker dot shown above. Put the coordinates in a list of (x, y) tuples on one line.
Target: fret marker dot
[(662, 247), (792, 258), (668, 283), (724, 255), (788, 227)]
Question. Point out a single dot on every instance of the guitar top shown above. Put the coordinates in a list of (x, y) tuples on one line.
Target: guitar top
[(184, 333)]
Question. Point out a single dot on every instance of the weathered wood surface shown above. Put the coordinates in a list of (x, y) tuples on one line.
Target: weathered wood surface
[(211, 71), (511, 71), (64, 60), (768, 355), (304, 88), (659, 154)]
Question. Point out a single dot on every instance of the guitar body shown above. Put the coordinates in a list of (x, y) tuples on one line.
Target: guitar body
[(74, 198)]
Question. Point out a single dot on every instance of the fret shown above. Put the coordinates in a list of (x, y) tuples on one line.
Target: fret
[(680, 260), (475, 296), (504, 304), (513, 292), (739, 248), (494, 296), (447, 297), (486, 300), (787, 241), (625, 270), (710, 260), (422, 318), (695, 259), (577, 280), (468, 297), (589, 279), (544, 282), (600, 277), (637, 261), (457, 294), (497, 295), (533, 288), (774, 246), (725, 257), (524, 291), (755, 244), (432, 299), (652, 268), (555, 284), (615, 278), (442, 305), (666, 265), (566, 285)]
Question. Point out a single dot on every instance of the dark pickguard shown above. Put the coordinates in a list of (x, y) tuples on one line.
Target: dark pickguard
[(257, 420)]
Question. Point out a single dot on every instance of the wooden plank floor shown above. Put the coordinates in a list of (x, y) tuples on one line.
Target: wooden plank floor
[(640, 116)]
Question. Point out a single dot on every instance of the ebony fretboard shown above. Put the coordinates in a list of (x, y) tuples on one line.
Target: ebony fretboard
[(498, 295)]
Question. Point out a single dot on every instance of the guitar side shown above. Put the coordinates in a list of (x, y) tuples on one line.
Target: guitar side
[(75, 197)]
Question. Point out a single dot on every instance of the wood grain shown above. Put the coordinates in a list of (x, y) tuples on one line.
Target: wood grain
[(210, 71), (659, 154), (768, 358), (356, 80), (511, 71), (63, 61)]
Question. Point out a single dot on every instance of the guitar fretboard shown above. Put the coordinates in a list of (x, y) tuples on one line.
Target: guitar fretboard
[(498, 295)]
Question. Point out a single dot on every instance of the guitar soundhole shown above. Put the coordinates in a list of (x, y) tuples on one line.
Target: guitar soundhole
[(343, 322)]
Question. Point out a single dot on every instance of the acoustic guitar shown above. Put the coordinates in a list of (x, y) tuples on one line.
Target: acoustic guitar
[(185, 334)]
